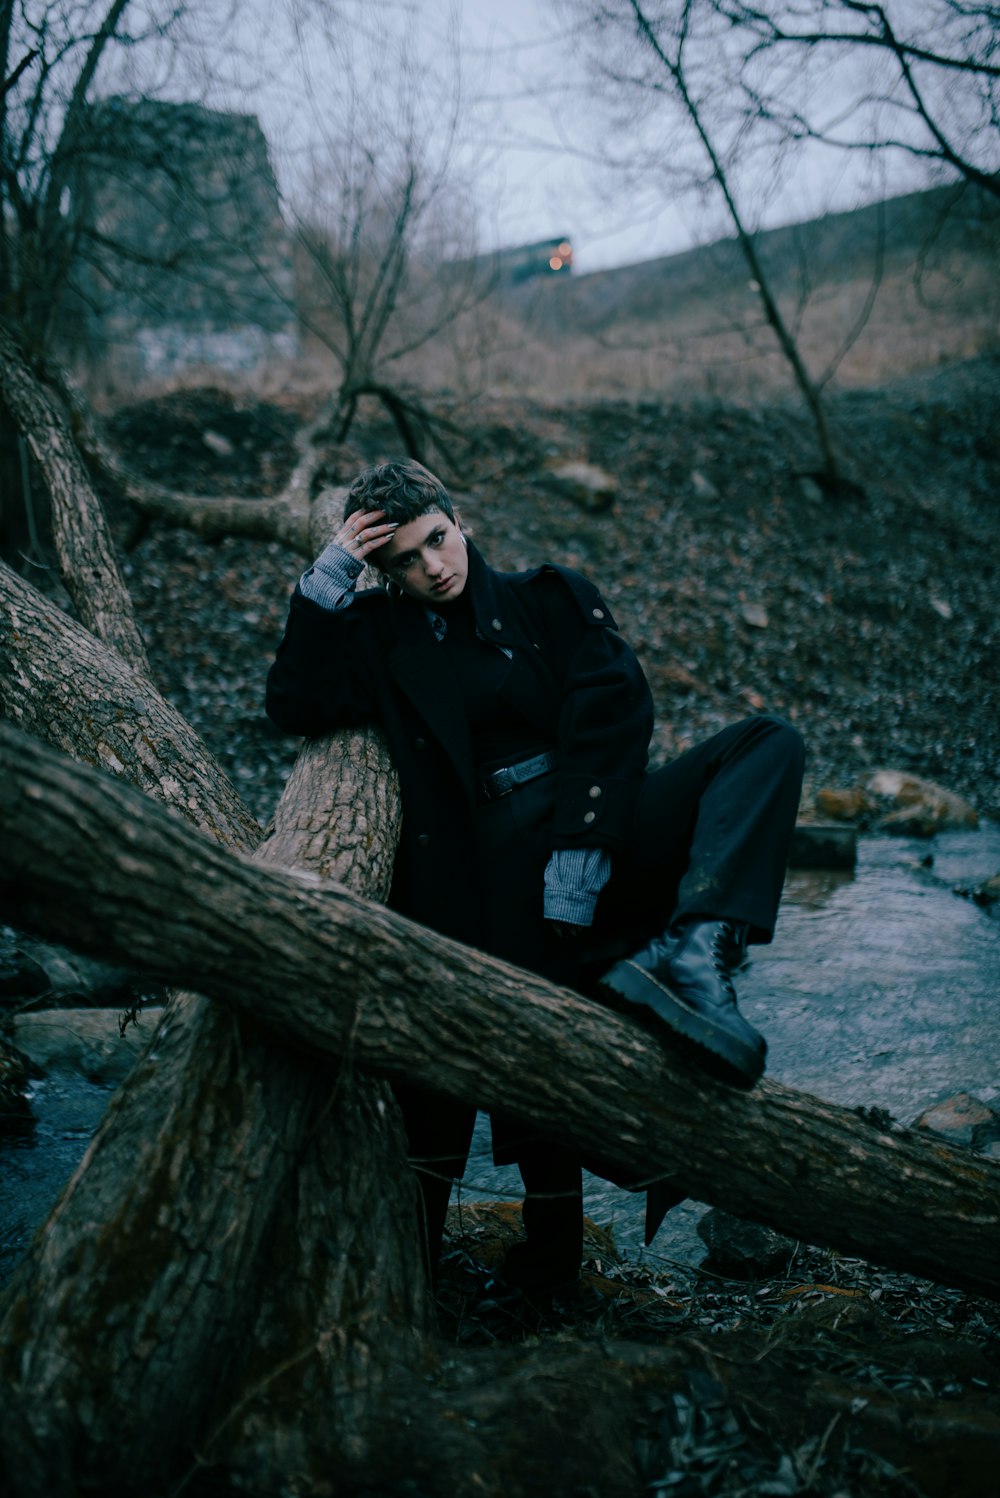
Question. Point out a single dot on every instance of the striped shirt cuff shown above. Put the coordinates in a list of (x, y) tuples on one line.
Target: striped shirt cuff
[(332, 578), (574, 877)]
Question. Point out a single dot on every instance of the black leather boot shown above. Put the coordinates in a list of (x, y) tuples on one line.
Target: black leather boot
[(683, 981)]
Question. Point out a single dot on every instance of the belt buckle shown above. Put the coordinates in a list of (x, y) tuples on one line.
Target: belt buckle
[(500, 783), (496, 785)]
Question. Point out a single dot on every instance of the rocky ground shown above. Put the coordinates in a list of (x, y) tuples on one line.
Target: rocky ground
[(867, 617), (870, 618)]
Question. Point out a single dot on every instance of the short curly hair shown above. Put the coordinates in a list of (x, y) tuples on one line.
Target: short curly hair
[(404, 490)]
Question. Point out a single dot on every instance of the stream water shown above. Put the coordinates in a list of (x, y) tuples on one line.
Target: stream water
[(881, 988)]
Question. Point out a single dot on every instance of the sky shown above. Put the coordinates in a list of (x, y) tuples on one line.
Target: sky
[(535, 186), (531, 128), (539, 186)]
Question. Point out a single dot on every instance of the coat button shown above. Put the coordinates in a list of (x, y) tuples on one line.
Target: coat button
[(496, 624), (594, 792), (598, 613), (420, 743), (590, 816), (423, 841)]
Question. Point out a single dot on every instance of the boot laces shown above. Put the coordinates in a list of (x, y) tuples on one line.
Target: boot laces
[(722, 938)]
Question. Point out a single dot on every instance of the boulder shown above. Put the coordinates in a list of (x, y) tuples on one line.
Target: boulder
[(743, 1250), (818, 845), (914, 807), (593, 489), (898, 802), (963, 1119), (84, 1042), (842, 806)]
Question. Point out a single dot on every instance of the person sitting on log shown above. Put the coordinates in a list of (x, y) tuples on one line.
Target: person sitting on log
[(519, 722)]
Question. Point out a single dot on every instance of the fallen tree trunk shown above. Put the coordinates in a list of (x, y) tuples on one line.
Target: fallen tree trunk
[(87, 560), (220, 1228), (283, 517), (371, 986), (62, 685)]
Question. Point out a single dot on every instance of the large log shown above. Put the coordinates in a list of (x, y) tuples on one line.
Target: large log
[(223, 1165), (87, 560), (60, 684), (406, 1002), (286, 517)]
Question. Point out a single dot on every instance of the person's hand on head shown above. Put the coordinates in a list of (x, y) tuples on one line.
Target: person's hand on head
[(364, 531)]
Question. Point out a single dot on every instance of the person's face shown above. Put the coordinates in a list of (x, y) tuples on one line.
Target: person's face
[(428, 558)]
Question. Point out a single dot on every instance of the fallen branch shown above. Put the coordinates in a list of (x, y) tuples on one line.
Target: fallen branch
[(341, 976)]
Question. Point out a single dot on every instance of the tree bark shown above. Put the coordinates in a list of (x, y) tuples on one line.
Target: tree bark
[(143, 1290), (87, 560), (169, 1150), (375, 988), (60, 684)]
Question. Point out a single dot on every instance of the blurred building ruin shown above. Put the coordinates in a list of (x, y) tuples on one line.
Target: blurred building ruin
[(181, 256)]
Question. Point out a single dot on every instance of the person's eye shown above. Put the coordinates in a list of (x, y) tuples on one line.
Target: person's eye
[(437, 538)]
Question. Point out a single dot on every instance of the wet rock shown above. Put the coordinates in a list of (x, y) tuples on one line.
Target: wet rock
[(914, 807), (963, 1119), (84, 1042), (32, 971), (897, 802), (743, 1250), (593, 489), (842, 805), (21, 977), (817, 845)]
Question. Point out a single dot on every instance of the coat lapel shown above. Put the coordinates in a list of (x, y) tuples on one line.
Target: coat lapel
[(421, 670)]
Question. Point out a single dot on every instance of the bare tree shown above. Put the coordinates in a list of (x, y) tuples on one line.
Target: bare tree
[(102, 208), (674, 60), (59, 58), (918, 80), (384, 215), (725, 99), (97, 203)]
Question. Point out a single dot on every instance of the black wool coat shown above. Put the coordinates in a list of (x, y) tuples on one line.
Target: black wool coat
[(570, 674)]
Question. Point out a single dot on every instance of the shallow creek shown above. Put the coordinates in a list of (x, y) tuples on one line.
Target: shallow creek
[(881, 989)]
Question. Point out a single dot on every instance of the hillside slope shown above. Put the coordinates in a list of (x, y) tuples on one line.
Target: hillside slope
[(691, 323)]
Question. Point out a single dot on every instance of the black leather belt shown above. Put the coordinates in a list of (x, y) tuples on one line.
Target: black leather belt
[(501, 782)]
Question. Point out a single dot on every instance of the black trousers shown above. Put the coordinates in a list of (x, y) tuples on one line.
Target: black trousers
[(709, 838)]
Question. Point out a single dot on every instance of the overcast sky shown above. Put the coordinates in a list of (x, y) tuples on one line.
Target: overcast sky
[(518, 50), (530, 126)]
